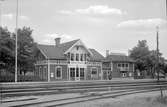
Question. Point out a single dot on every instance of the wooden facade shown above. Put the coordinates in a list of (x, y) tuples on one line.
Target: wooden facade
[(73, 61)]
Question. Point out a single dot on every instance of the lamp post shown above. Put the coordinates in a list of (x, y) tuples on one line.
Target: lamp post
[(16, 31)]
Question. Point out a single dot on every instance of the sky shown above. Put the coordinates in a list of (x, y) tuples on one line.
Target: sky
[(114, 25)]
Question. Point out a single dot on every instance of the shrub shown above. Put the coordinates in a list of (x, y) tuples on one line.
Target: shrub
[(21, 78)]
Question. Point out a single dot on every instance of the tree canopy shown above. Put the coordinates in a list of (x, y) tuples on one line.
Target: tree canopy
[(26, 50), (145, 58)]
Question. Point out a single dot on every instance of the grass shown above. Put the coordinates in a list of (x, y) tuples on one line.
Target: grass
[(162, 100)]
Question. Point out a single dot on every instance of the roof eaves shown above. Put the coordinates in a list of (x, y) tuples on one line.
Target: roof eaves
[(43, 53)]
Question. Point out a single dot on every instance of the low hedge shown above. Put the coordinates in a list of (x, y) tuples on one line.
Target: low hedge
[(21, 78)]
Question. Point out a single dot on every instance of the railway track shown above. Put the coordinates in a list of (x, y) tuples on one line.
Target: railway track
[(75, 88), (90, 91), (89, 97)]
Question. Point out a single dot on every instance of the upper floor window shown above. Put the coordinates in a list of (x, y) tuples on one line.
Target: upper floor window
[(77, 48), (77, 57), (72, 57), (85, 56), (123, 65), (81, 57), (127, 65)]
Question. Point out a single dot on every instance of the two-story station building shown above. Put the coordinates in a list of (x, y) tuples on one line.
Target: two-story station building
[(73, 61)]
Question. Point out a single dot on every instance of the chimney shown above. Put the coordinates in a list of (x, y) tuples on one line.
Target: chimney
[(107, 53), (57, 41)]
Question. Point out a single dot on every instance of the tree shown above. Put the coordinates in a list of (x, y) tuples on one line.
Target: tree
[(6, 50), (146, 59), (140, 54), (26, 50)]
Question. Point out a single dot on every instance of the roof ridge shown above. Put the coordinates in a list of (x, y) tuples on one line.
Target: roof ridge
[(69, 41)]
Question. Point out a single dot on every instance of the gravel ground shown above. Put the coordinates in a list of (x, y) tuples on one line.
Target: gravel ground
[(135, 100)]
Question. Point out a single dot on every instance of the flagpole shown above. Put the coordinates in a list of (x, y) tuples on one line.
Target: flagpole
[(16, 30)]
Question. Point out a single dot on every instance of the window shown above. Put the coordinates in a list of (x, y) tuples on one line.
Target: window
[(123, 65), (77, 72), (85, 56), (126, 65), (77, 48), (119, 65), (58, 72), (77, 57), (72, 72), (72, 57), (94, 71), (45, 72), (81, 57), (81, 72)]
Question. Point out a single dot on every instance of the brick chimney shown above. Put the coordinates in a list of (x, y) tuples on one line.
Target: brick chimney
[(107, 53), (57, 41)]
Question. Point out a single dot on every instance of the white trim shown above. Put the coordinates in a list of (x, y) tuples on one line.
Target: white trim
[(101, 71), (56, 72), (41, 64), (58, 63), (75, 44), (40, 70), (43, 53), (48, 70), (133, 67)]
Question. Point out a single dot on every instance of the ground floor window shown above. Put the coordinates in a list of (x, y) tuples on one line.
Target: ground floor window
[(72, 72), (94, 71), (77, 72), (81, 72), (58, 72)]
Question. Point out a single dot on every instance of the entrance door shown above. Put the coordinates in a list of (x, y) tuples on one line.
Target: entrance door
[(72, 74), (82, 74), (77, 77)]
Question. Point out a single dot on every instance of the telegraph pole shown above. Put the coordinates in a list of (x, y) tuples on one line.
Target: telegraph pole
[(16, 30), (157, 53), (158, 70)]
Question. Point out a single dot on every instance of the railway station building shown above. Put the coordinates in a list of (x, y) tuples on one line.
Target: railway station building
[(73, 61)]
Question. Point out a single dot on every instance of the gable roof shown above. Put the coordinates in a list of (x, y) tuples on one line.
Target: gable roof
[(55, 52), (96, 55), (119, 58)]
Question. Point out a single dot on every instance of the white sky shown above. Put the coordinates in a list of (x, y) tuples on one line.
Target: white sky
[(116, 25)]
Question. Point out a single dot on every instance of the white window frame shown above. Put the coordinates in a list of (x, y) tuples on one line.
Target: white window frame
[(56, 72)]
